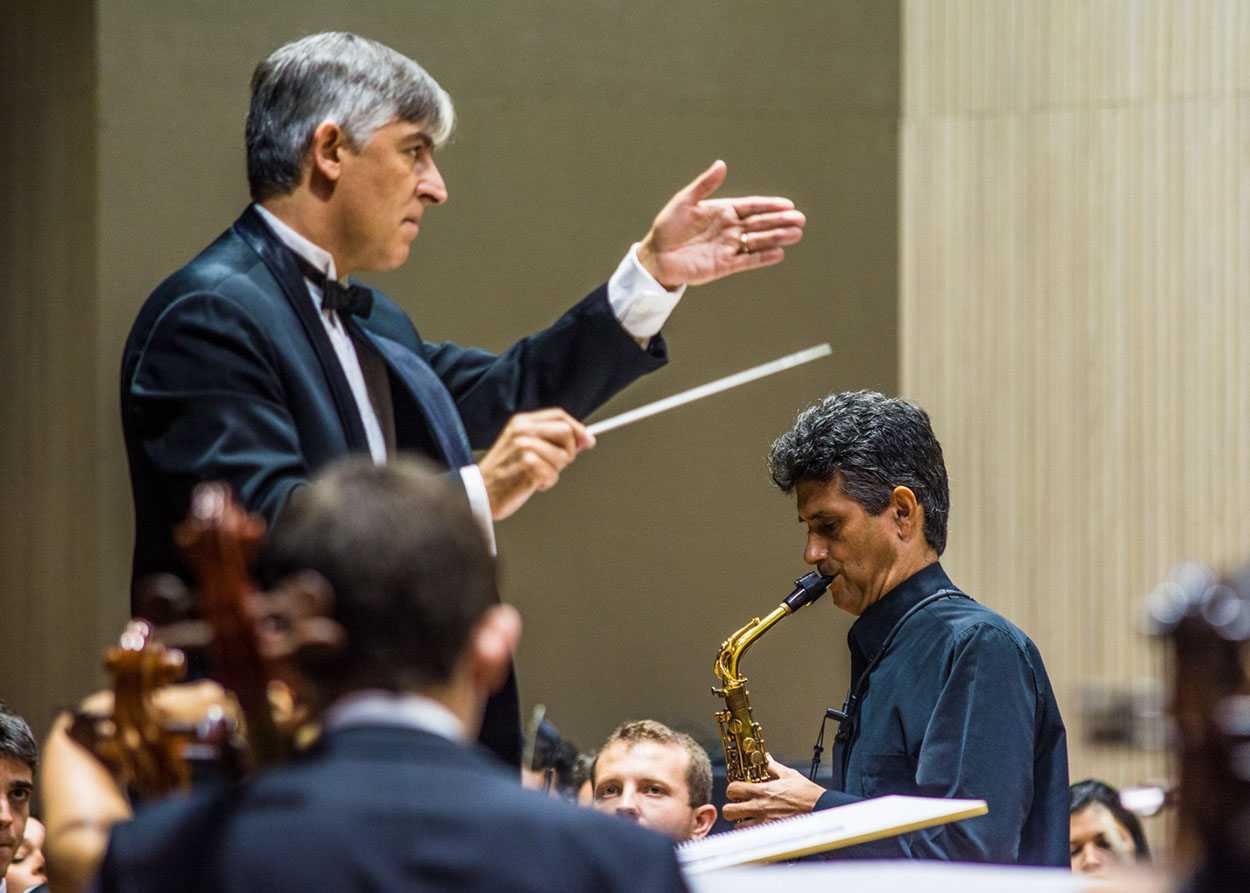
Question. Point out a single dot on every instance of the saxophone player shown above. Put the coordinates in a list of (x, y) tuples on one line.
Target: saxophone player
[(947, 698)]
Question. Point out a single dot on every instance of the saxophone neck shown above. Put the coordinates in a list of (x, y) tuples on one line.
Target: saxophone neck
[(807, 589), (736, 645)]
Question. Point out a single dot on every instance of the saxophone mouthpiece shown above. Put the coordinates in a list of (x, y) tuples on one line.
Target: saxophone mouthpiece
[(807, 589)]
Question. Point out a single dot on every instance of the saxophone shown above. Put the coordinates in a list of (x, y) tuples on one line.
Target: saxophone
[(741, 735)]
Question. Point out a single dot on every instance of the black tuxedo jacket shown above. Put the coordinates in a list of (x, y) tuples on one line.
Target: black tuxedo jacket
[(382, 809), (228, 375)]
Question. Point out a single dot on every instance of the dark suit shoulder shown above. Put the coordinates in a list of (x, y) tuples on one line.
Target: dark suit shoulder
[(228, 255), (228, 267), (154, 851), (228, 273), (619, 855), (507, 837), (420, 814)]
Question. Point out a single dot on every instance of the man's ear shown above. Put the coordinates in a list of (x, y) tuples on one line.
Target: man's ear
[(704, 819), (491, 646), (328, 144), (906, 513)]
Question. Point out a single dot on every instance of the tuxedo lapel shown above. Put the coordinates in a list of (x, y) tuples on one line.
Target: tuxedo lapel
[(428, 391), (418, 379), (281, 264)]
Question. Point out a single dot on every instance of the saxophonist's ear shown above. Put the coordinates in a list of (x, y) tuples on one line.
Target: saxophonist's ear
[(906, 513)]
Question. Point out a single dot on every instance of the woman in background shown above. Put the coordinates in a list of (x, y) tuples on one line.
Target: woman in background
[(1103, 833)]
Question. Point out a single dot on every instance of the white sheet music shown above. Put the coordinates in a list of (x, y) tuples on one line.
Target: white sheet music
[(827, 829), (909, 876)]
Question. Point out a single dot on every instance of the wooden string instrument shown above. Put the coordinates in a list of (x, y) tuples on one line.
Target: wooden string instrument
[(241, 633)]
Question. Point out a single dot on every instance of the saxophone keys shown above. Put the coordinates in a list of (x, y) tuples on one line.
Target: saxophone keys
[(749, 745), (757, 758)]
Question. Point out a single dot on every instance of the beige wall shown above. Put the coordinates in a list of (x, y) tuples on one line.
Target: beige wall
[(51, 610), (577, 121), (1074, 195), (1064, 221)]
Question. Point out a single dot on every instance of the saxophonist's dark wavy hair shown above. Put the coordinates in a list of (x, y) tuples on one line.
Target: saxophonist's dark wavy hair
[(871, 444)]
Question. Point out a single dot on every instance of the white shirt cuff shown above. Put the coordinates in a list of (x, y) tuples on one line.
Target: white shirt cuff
[(640, 303), (479, 502)]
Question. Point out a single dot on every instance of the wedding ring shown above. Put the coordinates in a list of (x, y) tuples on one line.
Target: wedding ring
[(743, 247)]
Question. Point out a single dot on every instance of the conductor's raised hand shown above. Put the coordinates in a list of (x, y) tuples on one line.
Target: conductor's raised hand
[(787, 793), (529, 456), (697, 239)]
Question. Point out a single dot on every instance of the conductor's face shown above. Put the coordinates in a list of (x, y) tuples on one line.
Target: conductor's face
[(860, 551), (381, 194)]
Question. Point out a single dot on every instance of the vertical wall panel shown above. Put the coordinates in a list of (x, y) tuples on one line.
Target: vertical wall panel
[(51, 612), (1073, 280)]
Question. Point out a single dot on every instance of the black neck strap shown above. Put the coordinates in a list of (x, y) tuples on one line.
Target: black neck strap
[(850, 709)]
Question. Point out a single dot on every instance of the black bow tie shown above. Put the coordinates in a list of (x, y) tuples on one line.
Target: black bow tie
[(354, 299)]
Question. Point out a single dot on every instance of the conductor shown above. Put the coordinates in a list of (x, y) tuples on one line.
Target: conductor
[(260, 362)]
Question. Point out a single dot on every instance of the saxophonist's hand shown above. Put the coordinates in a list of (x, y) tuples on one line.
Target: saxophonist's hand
[(789, 793)]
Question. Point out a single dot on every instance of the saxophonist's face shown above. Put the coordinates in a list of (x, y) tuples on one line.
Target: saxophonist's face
[(860, 551)]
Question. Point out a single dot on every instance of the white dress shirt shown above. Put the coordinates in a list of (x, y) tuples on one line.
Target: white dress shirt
[(637, 300)]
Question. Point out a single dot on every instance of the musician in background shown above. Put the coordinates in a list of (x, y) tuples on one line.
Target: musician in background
[(18, 760), (1103, 833), (26, 871), (661, 779), (425, 641), (948, 699)]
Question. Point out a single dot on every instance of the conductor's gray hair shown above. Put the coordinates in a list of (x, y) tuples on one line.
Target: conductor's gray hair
[(355, 82)]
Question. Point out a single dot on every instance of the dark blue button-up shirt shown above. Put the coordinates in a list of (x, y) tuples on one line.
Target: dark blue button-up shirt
[(959, 706)]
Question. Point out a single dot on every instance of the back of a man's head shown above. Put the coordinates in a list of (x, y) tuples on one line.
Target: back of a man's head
[(408, 566), (355, 82)]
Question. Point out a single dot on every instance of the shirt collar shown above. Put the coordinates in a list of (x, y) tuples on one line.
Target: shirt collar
[(309, 251), (870, 630), (387, 708)]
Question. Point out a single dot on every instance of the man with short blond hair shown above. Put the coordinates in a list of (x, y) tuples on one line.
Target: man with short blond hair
[(657, 777)]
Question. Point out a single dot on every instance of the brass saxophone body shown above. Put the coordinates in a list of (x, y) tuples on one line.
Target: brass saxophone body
[(740, 735)]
